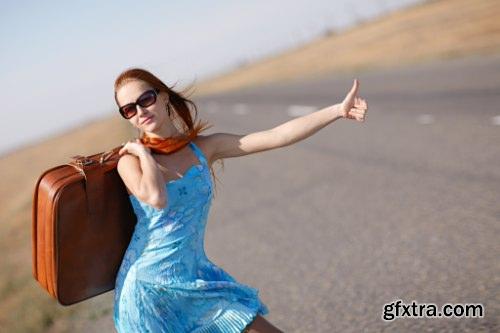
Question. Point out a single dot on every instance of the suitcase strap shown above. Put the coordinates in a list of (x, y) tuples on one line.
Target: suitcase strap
[(93, 169)]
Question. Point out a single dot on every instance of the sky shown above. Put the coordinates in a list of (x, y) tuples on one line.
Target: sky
[(59, 59)]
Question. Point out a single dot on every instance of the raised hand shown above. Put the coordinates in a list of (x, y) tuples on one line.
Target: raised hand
[(134, 147), (353, 107)]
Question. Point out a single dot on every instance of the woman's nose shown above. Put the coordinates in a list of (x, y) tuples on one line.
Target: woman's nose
[(141, 110)]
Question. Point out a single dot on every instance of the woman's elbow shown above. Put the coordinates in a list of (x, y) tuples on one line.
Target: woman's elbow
[(158, 200)]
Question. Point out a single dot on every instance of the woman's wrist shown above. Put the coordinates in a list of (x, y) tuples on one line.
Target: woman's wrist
[(145, 153), (337, 111)]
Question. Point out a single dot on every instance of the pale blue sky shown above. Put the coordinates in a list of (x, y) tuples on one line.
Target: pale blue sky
[(59, 59)]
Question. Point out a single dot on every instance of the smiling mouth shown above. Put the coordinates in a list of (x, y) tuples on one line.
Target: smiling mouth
[(147, 119)]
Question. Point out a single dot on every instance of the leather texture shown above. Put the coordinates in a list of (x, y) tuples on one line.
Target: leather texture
[(82, 223)]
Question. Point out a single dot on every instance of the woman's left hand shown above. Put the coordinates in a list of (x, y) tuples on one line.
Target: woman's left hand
[(353, 107)]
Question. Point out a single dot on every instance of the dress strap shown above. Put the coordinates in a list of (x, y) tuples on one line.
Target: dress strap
[(199, 154)]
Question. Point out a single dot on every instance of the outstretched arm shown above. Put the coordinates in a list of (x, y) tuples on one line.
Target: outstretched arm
[(225, 145)]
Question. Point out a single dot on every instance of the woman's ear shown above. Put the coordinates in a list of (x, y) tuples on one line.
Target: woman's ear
[(168, 109), (164, 97)]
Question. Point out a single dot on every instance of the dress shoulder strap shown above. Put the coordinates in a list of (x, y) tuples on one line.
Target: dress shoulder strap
[(199, 154)]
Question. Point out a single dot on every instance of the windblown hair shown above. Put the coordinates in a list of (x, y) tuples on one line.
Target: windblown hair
[(179, 107)]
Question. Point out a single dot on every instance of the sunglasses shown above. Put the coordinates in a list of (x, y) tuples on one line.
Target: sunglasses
[(147, 98)]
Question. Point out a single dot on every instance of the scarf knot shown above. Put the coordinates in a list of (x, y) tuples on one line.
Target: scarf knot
[(172, 144)]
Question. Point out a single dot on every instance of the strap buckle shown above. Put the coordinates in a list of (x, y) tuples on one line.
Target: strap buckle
[(82, 160)]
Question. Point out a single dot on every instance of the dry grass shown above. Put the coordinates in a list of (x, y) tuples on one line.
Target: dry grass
[(435, 30), (24, 306)]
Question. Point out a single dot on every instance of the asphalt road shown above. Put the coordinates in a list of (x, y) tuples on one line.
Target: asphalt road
[(403, 206)]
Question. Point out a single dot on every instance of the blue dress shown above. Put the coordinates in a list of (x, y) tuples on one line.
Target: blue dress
[(165, 282)]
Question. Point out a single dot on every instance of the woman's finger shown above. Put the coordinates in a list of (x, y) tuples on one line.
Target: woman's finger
[(357, 111), (123, 149), (354, 89), (361, 106), (356, 116)]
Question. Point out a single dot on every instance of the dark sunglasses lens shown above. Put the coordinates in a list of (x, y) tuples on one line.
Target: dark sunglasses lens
[(128, 111), (147, 99)]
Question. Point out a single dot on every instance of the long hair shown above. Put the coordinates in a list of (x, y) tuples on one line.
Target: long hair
[(179, 106)]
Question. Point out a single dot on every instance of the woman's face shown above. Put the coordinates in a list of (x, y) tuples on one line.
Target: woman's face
[(148, 119)]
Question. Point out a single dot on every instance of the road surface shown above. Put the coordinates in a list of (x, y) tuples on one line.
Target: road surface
[(403, 206)]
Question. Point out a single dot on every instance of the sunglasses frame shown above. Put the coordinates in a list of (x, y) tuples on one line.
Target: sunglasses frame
[(156, 91)]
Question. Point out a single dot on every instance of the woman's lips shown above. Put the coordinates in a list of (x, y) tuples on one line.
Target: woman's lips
[(147, 120)]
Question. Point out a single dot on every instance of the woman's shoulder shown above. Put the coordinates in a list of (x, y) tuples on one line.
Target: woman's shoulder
[(205, 144)]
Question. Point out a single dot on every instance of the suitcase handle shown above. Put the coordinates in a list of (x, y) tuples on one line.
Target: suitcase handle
[(80, 162), (106, 155)]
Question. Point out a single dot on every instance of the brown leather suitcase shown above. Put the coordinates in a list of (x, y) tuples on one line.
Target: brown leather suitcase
[(82, 222)]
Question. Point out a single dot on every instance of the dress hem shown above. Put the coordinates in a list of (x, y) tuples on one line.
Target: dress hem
[(235, 319)]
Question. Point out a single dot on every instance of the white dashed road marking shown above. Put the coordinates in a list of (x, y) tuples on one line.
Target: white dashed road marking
[(495, 120), (425, 119), (300, 110), (240, 109), (212, 107)]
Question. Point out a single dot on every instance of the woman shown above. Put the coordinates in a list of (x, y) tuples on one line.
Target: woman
[(165, 282)]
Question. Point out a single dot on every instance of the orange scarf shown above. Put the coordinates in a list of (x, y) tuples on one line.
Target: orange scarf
[(171, 144)]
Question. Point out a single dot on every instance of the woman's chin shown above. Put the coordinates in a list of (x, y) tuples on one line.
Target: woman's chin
[(149, 127)]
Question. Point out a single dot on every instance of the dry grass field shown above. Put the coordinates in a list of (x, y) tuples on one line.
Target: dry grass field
[(24, 306), (433, 30), (438, 29)]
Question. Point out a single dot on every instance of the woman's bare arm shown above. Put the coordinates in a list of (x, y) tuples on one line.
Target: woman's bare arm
[(141, 175), (225, 145), (303, 127)]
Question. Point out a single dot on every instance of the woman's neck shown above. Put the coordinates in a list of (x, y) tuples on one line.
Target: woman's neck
[(166, 132)]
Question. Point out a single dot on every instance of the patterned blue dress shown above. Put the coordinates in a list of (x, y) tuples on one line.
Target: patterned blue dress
[(165, 282)]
